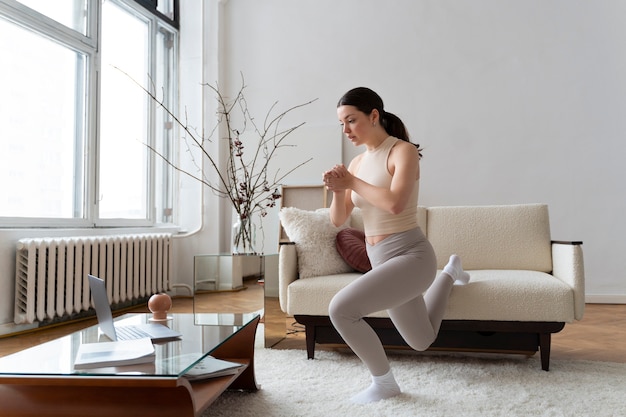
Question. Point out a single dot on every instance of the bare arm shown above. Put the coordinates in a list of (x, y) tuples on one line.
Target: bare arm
[(341, 207)]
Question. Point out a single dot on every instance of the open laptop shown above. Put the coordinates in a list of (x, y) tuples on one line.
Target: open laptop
[(154, 331)]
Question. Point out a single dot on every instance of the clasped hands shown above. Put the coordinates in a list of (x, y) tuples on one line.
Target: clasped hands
[(337, 178)]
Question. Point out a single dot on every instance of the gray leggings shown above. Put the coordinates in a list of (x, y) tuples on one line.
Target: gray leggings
[(402, 281)]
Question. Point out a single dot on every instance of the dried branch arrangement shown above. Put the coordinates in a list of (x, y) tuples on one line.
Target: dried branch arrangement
[(246, 181)]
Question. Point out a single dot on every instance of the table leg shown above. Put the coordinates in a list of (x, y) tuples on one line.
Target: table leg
[(241, 346)]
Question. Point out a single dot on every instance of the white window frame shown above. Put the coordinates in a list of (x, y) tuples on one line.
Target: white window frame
[(87, 44)]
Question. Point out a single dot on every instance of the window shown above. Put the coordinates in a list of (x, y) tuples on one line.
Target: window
[(73, 123), (70, 13), (41, 119)]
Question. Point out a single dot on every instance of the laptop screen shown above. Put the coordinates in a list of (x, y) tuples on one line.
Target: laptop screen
[(101, 304)]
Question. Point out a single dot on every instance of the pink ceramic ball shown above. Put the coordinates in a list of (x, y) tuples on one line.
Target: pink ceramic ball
[(159, 305)]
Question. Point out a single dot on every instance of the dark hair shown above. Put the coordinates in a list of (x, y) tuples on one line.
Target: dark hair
[(366, 100)]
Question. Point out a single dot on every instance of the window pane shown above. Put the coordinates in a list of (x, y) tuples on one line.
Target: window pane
[(71, 13), (123, 118), (166, 7), (41, 126)]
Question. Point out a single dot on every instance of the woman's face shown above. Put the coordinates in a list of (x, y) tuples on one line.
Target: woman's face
[(356, 124)]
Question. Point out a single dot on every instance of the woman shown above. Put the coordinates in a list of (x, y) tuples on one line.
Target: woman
[(383, 182)]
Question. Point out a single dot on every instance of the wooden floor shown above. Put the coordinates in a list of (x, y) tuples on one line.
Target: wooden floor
[(600, 336)]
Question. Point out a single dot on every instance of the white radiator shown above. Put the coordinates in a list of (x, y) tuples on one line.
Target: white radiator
[(51, 273)]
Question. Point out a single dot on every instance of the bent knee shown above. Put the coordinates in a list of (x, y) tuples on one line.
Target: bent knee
[(341, 310), (420, 343), (420, 347), (336, 309)]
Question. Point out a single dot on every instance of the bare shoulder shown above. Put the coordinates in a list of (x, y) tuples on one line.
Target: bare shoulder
[(403, 149), (404, 157)]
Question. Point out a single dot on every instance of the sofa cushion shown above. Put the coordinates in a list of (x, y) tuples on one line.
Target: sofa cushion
[(312, 296), (314, 236), (492, 237), (511, 295), (507, 295), (351, 246)]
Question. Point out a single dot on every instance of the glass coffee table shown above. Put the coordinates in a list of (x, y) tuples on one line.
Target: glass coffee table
[(42, 381)]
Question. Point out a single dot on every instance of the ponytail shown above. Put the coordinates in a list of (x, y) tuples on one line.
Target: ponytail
[(394, 126)]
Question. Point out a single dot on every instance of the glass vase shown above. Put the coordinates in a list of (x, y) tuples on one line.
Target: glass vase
[(243, 236)]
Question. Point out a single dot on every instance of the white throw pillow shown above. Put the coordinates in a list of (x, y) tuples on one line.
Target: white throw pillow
[(314, 236)]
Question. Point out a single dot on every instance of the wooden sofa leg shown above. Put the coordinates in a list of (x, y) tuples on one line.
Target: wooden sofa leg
[(309, 332), (544, 348)]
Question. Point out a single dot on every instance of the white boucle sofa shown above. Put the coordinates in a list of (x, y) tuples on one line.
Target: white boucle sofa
[(523, 286)]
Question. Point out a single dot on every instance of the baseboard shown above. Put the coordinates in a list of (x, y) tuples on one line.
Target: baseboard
[(10, 329), (605, 299)]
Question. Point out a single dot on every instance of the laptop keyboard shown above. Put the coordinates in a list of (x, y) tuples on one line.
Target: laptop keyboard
[(130, 333)]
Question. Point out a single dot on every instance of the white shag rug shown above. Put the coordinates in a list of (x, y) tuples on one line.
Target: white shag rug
[(432, 384)]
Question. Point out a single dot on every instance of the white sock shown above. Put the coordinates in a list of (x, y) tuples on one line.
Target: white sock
[(384, 386), (455, 270)]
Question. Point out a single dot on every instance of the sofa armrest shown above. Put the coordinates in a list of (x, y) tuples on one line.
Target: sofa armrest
[(287, 270), (568, 266)]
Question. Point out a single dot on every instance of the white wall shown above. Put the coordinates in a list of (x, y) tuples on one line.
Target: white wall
[(516, 101)]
